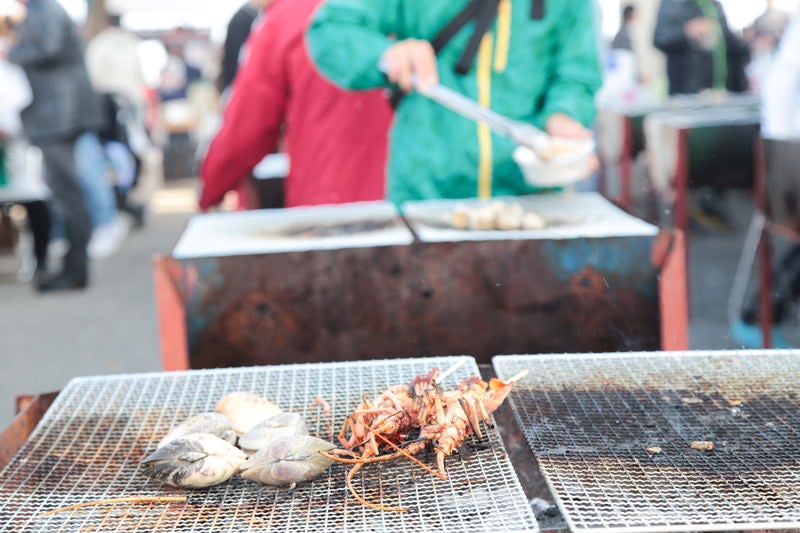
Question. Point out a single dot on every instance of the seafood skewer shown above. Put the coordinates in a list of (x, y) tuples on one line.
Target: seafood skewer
[(405, 420)]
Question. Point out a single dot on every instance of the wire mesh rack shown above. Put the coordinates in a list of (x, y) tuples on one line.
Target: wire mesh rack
[(697, 441), (89, 444)]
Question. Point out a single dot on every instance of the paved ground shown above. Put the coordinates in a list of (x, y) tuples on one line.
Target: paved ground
[(108, 329), (111, 328)]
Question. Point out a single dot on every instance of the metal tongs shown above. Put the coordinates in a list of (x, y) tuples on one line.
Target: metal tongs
[(521, 133)]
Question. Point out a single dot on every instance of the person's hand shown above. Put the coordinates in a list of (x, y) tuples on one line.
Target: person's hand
[(699, 28), (561, 125), (410, 61), (565, 127)]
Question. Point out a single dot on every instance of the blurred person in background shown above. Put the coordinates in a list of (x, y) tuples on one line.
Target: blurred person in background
[(533, 61), (335, 140), (21, 182), (701, 51), (112, 57), (763, 37), (781, 98), (622, 40), (238, 31), (702, 54), (780, 110), (620, 67), (115, 68), (64, 105), (109, 230), (768, 28)]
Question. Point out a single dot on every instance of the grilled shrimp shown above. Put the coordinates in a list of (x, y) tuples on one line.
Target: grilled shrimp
[(406, 419)]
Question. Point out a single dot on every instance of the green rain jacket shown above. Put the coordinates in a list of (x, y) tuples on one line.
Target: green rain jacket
[(525, 69)]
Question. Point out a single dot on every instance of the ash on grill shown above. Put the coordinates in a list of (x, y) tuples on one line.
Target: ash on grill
[(675, 441), (323, 230)]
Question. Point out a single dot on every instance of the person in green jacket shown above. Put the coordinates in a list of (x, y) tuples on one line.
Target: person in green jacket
[(531, 60)]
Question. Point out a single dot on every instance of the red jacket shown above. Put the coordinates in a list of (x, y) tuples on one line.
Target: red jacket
[(336, 140)]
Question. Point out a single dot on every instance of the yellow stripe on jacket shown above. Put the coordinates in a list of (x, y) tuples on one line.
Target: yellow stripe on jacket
[(503, 35), (484, 75)]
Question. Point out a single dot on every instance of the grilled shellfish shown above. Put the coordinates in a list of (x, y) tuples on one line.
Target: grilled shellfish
[(274, 427), (245, 410), (213, 423), (194, 461), (288, 461)]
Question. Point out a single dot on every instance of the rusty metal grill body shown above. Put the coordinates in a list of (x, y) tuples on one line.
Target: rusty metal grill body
[(590, 420), (89, 444), (247, 298)]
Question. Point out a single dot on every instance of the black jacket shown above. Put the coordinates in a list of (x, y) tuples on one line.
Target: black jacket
[(690, 68), (238, 31), (50, 52)]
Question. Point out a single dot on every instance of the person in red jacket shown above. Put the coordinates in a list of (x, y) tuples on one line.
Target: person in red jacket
[(335, 139)]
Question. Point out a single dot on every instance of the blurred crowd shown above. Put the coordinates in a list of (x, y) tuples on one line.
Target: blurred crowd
[(334, 53), (328, 100)]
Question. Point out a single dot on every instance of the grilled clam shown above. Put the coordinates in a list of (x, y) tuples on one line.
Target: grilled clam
[(288, 461), (245, 410), (274, 427), (213, 423), (194, 461)]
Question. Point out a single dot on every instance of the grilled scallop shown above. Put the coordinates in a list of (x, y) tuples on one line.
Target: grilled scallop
[(288, 461), (213, 423), (274, 427), (245, 410), (194, 461)]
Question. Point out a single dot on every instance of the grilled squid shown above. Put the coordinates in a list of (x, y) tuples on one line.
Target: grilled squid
[(288, 461), (194, 461), (245, 410), (213, 423), (274, 427)]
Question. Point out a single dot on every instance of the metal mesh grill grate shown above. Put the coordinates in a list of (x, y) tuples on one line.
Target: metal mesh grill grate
[(89, 443), (590, 420)]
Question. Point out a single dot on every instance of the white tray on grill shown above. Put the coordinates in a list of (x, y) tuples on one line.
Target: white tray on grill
[(590, 419), (568, 215), (298, 229), (88, 446)]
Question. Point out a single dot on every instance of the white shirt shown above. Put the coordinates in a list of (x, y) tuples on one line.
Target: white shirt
[(112, 58), (15, 95), (781, 93)]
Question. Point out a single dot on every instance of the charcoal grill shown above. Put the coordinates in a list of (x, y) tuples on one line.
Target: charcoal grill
[(590, 420), (88, 445)]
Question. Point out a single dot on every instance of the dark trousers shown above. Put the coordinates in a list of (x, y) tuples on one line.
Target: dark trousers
[(785, 290), (62, 178), (39, 224)]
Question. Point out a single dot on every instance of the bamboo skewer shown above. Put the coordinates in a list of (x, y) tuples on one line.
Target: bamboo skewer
[(128, 499)]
